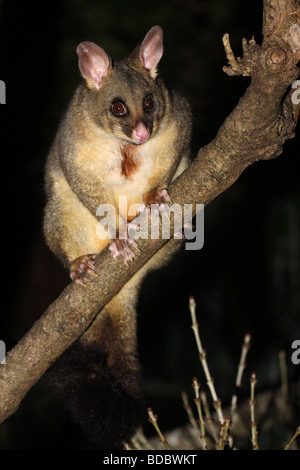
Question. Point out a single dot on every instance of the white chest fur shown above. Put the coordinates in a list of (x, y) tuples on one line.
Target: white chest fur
[(122, 169)]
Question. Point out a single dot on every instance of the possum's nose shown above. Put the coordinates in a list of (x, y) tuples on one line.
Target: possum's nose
[(140, 133)]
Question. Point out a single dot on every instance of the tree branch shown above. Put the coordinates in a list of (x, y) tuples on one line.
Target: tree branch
[(257, 128)]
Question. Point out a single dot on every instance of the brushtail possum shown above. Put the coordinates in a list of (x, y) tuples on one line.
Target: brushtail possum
[(124, 134)]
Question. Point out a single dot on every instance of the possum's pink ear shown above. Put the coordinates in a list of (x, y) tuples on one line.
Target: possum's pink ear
[(93, 63), (151, 50)]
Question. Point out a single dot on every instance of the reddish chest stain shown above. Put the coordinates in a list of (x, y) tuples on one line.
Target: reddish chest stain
[(130, 161)]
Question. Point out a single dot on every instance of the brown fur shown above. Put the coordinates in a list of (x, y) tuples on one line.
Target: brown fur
[(130, 162)]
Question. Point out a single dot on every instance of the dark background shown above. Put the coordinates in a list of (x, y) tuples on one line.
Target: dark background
[(247, 276)]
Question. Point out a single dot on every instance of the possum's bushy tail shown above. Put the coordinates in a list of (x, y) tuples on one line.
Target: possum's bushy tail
[(105, 401)]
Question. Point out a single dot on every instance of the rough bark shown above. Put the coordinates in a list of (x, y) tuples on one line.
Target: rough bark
[(263, 120)]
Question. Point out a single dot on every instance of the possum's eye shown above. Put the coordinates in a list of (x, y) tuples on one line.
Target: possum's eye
[(149, 104), (118, 108)]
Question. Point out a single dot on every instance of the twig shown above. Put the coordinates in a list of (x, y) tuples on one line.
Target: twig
[(127, 446), (224, 433), (241, 368), (297, 433), (139, 440), (282, 17), (153, 420), (239, 66), (197, 400), (191, 416), (202, 356), (208, 418), (253, 381)]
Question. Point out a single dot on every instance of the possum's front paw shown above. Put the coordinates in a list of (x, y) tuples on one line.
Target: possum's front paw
[(155, 201), (120, 247), (82, 264), (157, 196)]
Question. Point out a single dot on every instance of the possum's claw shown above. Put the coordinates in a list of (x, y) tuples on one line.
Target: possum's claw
[(120, 247), (82, 264)]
